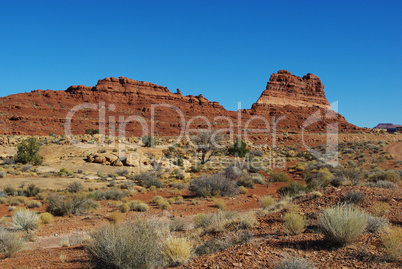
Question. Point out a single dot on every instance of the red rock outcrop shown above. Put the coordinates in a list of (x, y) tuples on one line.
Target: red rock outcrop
[(283, 89), (42, 112)]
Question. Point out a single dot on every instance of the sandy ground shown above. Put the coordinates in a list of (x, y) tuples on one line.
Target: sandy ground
[(396, 150)]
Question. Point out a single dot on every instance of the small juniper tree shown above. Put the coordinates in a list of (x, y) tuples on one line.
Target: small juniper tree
[(238, 149), (28, 152), (208, 144)]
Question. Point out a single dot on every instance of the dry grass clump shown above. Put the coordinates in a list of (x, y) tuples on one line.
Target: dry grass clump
[(140, 206), (222, 220), (33, 204), (9, 243), (392, 241), (294, 263), (342, 224), (25, 220), (45, 218), (381, 209), (177, 250), (138, 244), (219, 203), (295, 223), (161, 202), (115, 217), (267, 202)]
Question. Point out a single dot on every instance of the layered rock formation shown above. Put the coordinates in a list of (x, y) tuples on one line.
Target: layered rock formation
[(284, 89), (42, 112)]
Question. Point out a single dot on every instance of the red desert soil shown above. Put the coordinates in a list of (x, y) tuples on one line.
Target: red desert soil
[(396, 150)]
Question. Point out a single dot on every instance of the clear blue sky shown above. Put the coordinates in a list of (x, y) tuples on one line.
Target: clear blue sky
[(225, 50)]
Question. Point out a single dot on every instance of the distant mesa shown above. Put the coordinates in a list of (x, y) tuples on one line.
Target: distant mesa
[(286, 96)]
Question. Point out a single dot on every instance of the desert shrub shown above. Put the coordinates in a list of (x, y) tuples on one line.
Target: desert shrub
[(147, 179), (243, 220), (295, 223), (9, 190), (219, 203), (177, 250), (148, 141), (14, 202), (337, 181), (279, 176), (342, 224), (124, 207), (91, 131), (3, 174), (267, 201), (9, 161), (392, 241), (246, 181), (25, 220), (376, 224), (352, 175), (3, 200), (28, 152), (178, 225), (294, 263), (26, 168), (243, 190), (391, 176), (384, 184), (381, 209), (292, 189), (113, 194), (353, 197), (238, 149), (137, 244), (41, 196), (115, 217), (45, 218), (122, 172), (74, 187), (31, 190), (9, 243), (214, 185), (257, 153), (75, 204), (33, 204), (139, 206)]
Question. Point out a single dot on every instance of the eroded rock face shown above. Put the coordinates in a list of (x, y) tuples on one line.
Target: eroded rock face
[(127, 102), (283, 89)]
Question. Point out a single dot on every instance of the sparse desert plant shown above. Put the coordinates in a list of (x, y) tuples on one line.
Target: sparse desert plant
[(75, 204), (3, 200), (137, 244), (25, 220), (14, 202), (91, 131), (9, 190), (31, 190), (74, 187), (115, 217), (122, 172), (125, 207), (9, 243), (214, 185), (376, 224), (292, 189), (294, 263), (243, 190), (392, 241), (139, 206), (33, 204), (353, 197), (148, 179), (28, 152), (178, 225), (148, 141), (45, 218), (26, 168), (3, 174), (295, 223), (267, 201), (219, 203), (278, 177), (384, 184), (208, 143), (177, 250), (381, 209), (342, 224)]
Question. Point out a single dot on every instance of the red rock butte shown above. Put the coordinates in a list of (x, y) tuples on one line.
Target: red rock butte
[(41, 112)]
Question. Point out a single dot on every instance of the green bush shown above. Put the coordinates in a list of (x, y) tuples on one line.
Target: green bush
[(279, 177), (342, 224), (91, 131), (31, 190), (28, 152), (238, 149), (148, 141), (138, 244), (148, 179)]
